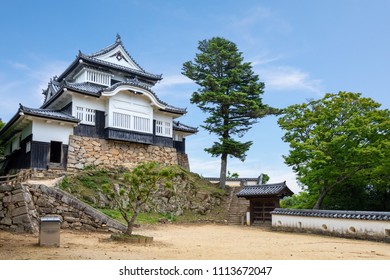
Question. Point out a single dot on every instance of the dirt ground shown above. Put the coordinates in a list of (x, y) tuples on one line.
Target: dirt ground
[(193, 242)]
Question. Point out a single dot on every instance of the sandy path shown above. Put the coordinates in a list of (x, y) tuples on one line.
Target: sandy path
[(194, 242)]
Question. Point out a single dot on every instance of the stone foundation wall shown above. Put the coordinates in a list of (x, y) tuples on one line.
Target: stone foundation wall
[(17, 210), (86, 151), (22, 205), (182, 160)]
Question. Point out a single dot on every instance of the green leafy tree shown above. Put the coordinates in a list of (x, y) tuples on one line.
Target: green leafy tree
[(232, 175), (137, 187), (302, 200), (230, 93), (335, 139), (264, 178)]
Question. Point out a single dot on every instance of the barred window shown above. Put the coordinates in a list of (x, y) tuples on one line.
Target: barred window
[(163, 128), (86, 115)]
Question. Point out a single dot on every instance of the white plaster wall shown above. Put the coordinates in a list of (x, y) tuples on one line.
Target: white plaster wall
[(162, 117), (15, 143), (110, 57), (87, 102), (27, 131), (130, 104), (54, 131), (341, 226), (82, 77)]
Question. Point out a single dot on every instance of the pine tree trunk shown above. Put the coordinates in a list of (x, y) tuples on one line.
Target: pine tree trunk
[(130, 224), (222, 176)]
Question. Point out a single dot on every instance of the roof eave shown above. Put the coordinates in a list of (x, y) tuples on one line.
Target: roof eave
[(51, 118), (12, 121), (113, 66)]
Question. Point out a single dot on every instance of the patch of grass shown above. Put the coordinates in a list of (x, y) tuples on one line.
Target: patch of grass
[(112, 213), (143, 218), (88, 185)]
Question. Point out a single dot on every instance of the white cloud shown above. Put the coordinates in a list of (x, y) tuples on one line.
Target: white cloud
[(263, 59), (288, 78), (259, 19), (173, 80), (39, 76), (25, 86), (18, 65)]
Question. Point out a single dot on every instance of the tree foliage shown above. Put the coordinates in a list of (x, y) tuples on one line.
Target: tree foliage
[(137, 187), (232, 175), (230, 93), (336, 140), (302, 200), (264, 178)]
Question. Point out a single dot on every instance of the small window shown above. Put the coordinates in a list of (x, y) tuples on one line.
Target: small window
[(163, 128), (28, 147), (86, 115)]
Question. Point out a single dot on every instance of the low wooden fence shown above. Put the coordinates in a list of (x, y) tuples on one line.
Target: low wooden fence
[(13, 179)]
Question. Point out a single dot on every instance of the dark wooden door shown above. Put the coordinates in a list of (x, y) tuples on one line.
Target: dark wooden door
[(55, 151), (261, 211)]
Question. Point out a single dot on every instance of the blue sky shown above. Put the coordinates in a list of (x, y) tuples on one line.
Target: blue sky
[(300, 49)]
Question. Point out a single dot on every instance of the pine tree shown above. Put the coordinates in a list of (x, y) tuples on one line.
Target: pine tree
[(230, 93)]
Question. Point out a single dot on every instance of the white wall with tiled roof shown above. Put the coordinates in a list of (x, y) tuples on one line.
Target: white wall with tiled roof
[(352, 227), (44, 131)]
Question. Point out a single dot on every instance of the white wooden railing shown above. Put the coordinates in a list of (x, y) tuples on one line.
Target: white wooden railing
[(98, 78), (131, 122)]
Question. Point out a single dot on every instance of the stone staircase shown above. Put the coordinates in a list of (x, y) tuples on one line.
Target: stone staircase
[(237, 207)]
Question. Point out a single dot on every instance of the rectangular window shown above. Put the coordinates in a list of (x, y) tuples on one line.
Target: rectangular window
[(163, 128), (130, 122), (122, 120), (159, 127), (86, 115), (98, 78), (167, 128), (141, 124), (28, 147), (79, 113)]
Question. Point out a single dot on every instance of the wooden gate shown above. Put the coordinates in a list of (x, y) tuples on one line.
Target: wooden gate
[(261, 210)]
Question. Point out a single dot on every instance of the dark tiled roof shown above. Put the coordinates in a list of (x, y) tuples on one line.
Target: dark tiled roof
[(119, 67), (231, 179), (118, 42), (135, 82), (89, 88), (360, 215), (131, 82), (47, 113), (182, 127), (264, 190)]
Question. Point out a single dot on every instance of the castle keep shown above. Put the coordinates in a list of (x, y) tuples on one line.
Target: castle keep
[(100, 111)]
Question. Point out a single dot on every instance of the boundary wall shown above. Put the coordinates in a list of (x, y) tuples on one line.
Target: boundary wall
[(351, 224)]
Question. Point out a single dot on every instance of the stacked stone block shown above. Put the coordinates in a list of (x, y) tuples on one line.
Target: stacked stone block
[(86, 151), (22, 205)]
